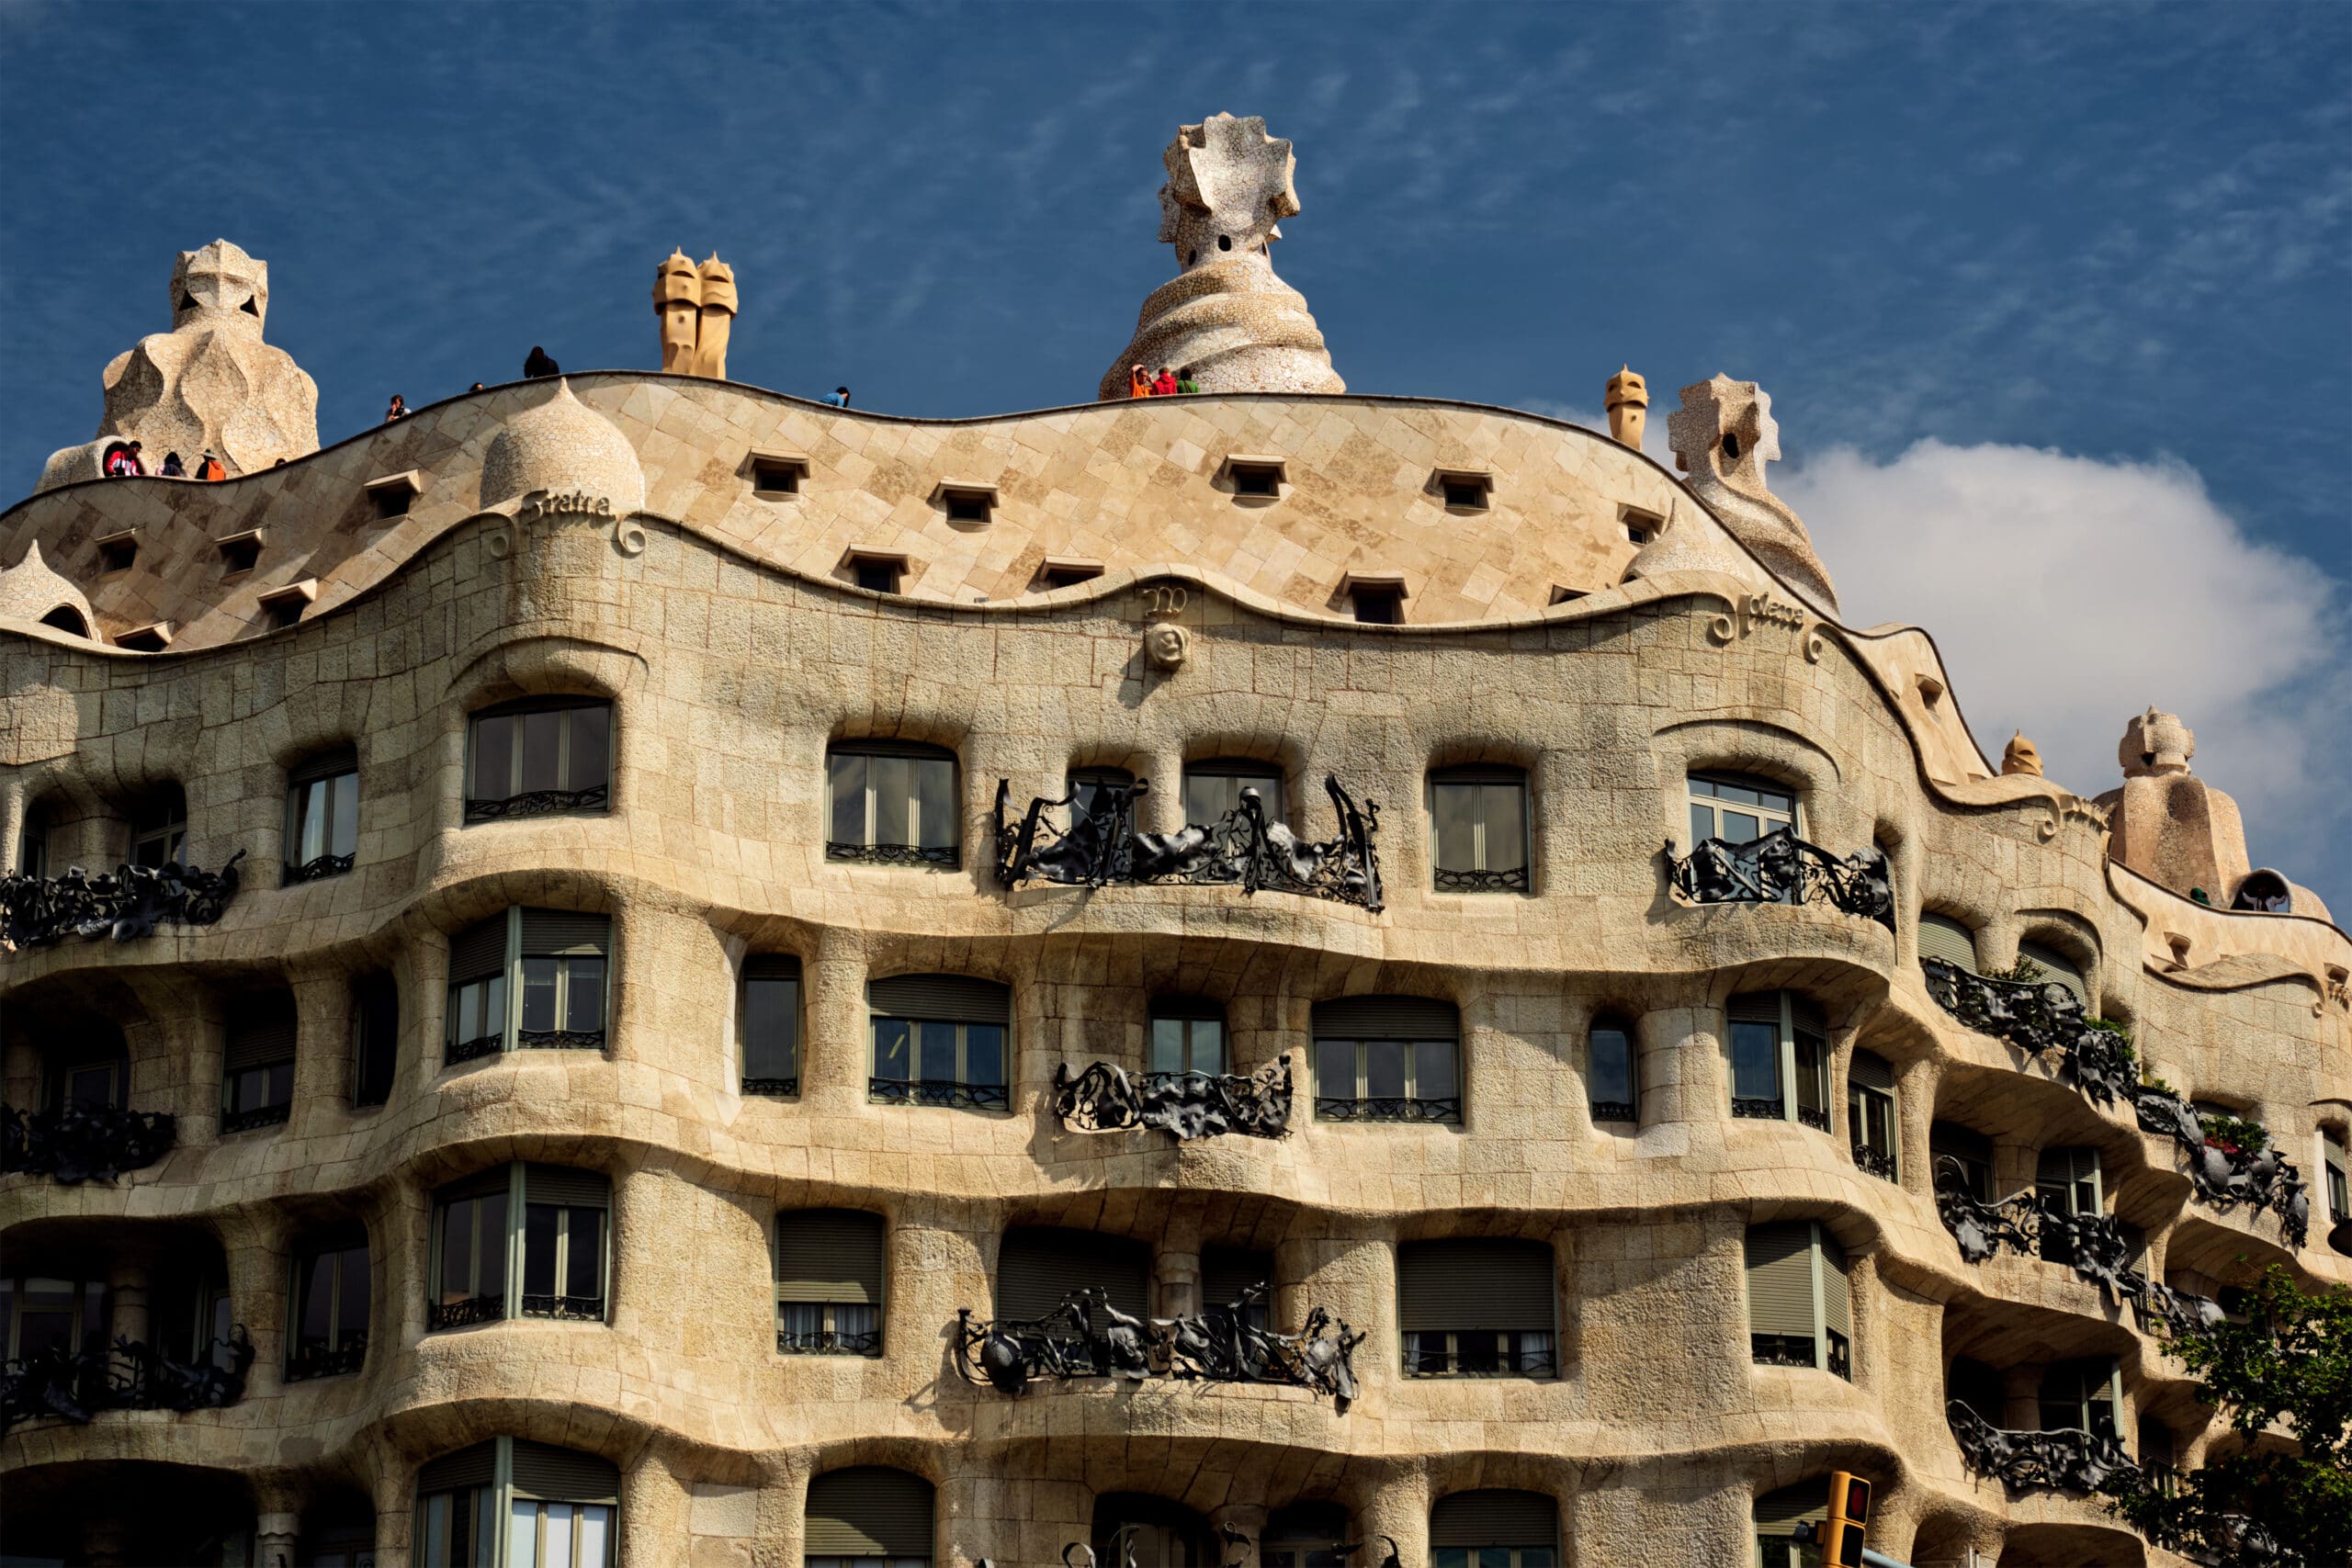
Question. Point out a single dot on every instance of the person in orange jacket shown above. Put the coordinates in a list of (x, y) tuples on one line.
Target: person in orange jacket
[(209, 467), (1138, 384)]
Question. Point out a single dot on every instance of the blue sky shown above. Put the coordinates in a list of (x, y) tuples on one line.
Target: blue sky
[(2039, 291)]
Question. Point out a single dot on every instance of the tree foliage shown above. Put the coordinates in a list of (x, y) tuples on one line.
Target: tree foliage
[(2284, 1379)]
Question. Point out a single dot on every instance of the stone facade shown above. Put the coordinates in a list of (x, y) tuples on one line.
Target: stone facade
[(632, 538)]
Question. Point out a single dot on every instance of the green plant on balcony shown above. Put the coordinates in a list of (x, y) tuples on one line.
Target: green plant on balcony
[(2234, 1133)]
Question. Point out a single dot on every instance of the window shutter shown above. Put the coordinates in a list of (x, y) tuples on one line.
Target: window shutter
[(1780, 1513), (261, 1032), (772, 966), (1869, 1070), (497, 1178), (1779, 1279), (1494, 1518), (1807, 1017), (1960, 1143), (1307, 1521), (1475, 1283), (829, 1254), (1479, 774), (331, 765), (562, 1184), (1387, 1018), (893, 749), (566, 933), (1036, 1267), (868, 1512), (1943, 937), (949, 998), (476, 1466), (1755, 1007), (1837, 1288), (2062, 969), (477, 950), (564, 1475), (1227, 1272)]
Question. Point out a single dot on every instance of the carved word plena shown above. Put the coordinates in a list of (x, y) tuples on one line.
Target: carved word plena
[(628, 536), (1752, 610)]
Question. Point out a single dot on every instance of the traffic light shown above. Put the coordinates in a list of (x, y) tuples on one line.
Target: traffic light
[(1850, 1517)]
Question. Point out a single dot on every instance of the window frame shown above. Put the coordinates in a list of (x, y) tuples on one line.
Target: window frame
[(1788, 1101), (159, 824), (562, 799), (329, 779), (91, 1313), (868, 848), (1830, 1350), (1769, 818), (832, 1339), (959, 1092), (781, 1086), (1478, 877), (1362, 1106), (508, 985), (340, 1356), (374, 1060), (2335, 1160), (1253, 772), (272, 1077), (1186, 1013), (513, 1301), (497, 1504), (1607, 1111), (1867, 1106), (32, 841)]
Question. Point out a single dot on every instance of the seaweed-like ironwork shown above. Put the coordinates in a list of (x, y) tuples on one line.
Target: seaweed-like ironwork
[(125, 904), (571, 1309), (1781, 868), (830, 1342), (1086, 1337), (1097, 846), (538, 803), (474, 1050), (559, 1039), (1878, 1162), (2038, 1017), (318, 1358), (254, 1116), (314, 869), (938, 1091), (466, 1312), (945, 856), (1108, 1098), (2069, 1459), (77, 1142), (75, 1385), (1445, 1108)]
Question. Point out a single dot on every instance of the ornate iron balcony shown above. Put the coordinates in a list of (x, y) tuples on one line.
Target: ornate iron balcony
[(2068, 1460), (125, 904), (570, 1309), (1814, 1116), (829, 1342), (938, 1091), (467, 1313), (1877, 1162), (538, 803), (1086, 1337), (246, 1121), (946, 857), (559, 1039), (1450, 879), (1613, 1111), (2036, 1018), (1055, 841), (75, 1385), (1781, 868), (1841, 1356), (80, 1143), (1480, 1353), (473, 1050), (1106, 1098), (1781, 1349), (781, 1089), (1755, 1108), (1336, 1108), (317, 1358), (314, 870)]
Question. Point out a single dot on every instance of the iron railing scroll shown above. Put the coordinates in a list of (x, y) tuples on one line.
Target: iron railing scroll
[(1108, 1098), (125, 904), (75, 1385), (1781, 868), (2069, 1459), (536, 803), (77, 1142)]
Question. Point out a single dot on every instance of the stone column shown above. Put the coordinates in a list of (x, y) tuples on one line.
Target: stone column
[(129, 1316), (2022, 1398), (836, 1043), (323, 1050), (1176, 1276), (1915, 1085), (1249, 1519), (1162, 811), (273, 1537), (1395, 1504)]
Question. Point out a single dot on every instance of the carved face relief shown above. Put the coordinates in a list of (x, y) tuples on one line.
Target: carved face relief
[(1166, 646)]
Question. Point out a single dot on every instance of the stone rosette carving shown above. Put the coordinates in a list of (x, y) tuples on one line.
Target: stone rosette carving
[(1225, 315)]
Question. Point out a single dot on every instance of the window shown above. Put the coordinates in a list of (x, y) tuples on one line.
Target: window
[(283, 607), (1187, 1036), (829, 1271), (257, 1067), (1738, 810), (771, 1014), (1259, 477), (867, 1517), (893, 803), (1940, 936), (45, 1315), (1387, 1059), (1777, 1517), (1377, 602), (388, 498), (1641, 527), (512, 1502), (1799, 1300), (1963, 1153), (117, 552), (878, 574), (779, 473), (159, 829), (1870, 1115), (152, 637), (375, 1038), (1229, 1273), (331, 1299), (1979, 1387), (2081, 1396), (1065, 573), (89, 1068), (1609, 1071), (1305, 1535), (528, 979), (2062, 969), (2332, 1156), (339, 1536), (2068, 1179), (240, 552), (32, 844), (540, 757), (1037, 1267), (1778, 1039), (1465, 490), (1494, 1529), (322, 817), (968, 504), (939, 1040), (1100, 791), (550, 1223), (1150, 1532), (1212, 789), (1479, 829), (1476, 1308)]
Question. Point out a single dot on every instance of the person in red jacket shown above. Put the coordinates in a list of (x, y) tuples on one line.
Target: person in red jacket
[(123, 462), (1164, 384)]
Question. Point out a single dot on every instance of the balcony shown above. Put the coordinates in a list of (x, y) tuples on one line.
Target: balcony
[(318, 1358), (1107, 1099), (564, 1309), (76, 1386), (124, 904), (1445, 1111), (322, 866), (940, 857), (80, 1143), (538, 803), (255, 1116), (2085, 1464), (938, 1091), (1086, 1337), (1781, 868), (1875, 1161), (1797, 1350), (467, 1312), (1055, 841)]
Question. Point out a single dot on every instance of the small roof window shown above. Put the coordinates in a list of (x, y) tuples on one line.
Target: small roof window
[(1065, 572), (966, 501), (391, 494), (778, 473), (1464, 489), (281, 607), (152, 637), (880, 571), (240, 552), (1257, 477)]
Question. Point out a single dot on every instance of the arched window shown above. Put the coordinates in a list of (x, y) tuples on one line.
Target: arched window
[(322, 817), (159, 828), (1942, 936), (771, 1024), (2333, 1158), (1870, 1117), (828, 1279), (1305, 1535), (2068, 1178), (1610, 1079), (1212, 789), (1479, 829), (1477, 1307), (257, 1068), (1229, 1273), (1094, 790), (892, 803), (1387, 1059), (542, 756), (1738, 808), (939, 1040), (528, 979), (867, 1517), (1779, 1041), (519, 1505), (2056, 966), (2081, 1396), (89, 1068), (32, 843), (1800, 1301), (331, 1304), (1494, 1529)]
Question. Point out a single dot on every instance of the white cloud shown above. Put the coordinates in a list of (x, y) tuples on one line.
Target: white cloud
[(2068, 595)]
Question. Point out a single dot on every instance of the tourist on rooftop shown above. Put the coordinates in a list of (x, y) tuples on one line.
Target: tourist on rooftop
[(1164, 384), (475, 387), (838, 398), (1184, 382), (123, 462), (209, 467), (173, 467), (1139, 383), (538, 364), (398, 411)]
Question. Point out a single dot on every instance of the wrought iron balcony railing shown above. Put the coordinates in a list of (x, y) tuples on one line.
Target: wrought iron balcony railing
[(1814, 1116), (1460, 879), (75, 1385), (1387, 1108), (538, 803), (317, 868), (945, 857), (473, 1050), (778, 1088), (1781, 868), (318, 1358), (80, 1143), (2069, 1459), (1877, 1162), (125, 904), (938, 1091), (558, 1040), (1614, 1110), (254, 1116), (1086, 1337), (1106, 1099), (1097, 846), (829, 1342), (1759, 1108), (465, 1314), (568, 1309), (2036, 1018)]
